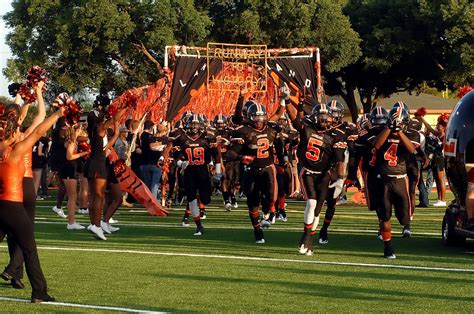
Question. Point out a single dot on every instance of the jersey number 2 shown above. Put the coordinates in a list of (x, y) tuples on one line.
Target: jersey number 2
[(263, 145), (195, 155)]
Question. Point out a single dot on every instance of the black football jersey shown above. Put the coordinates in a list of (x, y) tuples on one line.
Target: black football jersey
[(364, 147), (248, 141), (317, 150), (198, 151), (392, 156)]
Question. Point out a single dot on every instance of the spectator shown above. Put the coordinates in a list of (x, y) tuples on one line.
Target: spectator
[(434, 147)]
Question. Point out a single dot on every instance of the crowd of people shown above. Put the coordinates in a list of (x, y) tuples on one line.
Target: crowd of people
[(264, 157)]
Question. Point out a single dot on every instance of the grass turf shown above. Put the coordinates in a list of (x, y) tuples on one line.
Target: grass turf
[(225, 271)]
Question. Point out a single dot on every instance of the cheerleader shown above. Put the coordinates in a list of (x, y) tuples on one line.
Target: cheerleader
[(13, 216)]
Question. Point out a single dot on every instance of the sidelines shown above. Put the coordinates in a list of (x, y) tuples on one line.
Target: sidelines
[(252, 258), (84, 306), (337, 230)]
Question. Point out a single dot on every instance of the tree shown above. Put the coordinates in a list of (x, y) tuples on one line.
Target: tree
[(405, 43), (99, 44)]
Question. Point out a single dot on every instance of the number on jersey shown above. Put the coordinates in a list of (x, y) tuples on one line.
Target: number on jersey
[(313, 150), (391, 155), (195, 155)]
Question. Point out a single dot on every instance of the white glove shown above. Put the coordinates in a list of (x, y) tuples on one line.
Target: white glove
[(182, 164), (338, 185), (285, 91)]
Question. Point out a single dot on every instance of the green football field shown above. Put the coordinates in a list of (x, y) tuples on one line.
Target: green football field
[(155, 264)]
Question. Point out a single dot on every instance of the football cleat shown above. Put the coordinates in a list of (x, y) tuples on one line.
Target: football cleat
[(282, 216), (185, 222), (228, 206), (199, 231), (265, 224), (202, 213), (233, 200), (272, 218), (309, 253), (389, 253), (259, 238), (406, 233), (323, 236), (303, 249)]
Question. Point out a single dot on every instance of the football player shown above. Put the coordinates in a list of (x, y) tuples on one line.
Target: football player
[(394, 145), (348, 132), (319, 147), (197, 148)]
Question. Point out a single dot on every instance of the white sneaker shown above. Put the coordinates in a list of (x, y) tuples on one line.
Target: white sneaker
[(261, 241), (75, 226), (112, 228), (309, 253), (113, 221), (59, 211), (235, 205), (105, 227), (98, 232), (89, 227), (439, 203)]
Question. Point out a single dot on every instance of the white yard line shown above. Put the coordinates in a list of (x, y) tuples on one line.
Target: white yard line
[(84, 306), (266, 259)]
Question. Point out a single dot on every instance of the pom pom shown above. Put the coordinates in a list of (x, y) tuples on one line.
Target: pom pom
[(443, 119), (27, 93), (421, 112), (84, 147), (73, 112), (35, 75), (112, 109), (13, 89), (464, 90)]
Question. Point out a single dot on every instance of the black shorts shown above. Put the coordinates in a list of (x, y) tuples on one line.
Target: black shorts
[(373, 190), (395, 194), (284, 180), (197, 181), (95, 169), (315, 187), (80, 166), (437, 162), (111, 178), (260, 186), (67, 171)]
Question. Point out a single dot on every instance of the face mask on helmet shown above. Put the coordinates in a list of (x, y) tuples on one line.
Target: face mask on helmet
[(337, 111), (194, 125), (379, 116), (257, 116), (400, 117), (321, 116)]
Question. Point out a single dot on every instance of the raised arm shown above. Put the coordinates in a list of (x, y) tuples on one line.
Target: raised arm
[(41, 109), (25, 145)]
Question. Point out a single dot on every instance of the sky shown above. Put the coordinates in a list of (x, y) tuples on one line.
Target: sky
[(5, 6)]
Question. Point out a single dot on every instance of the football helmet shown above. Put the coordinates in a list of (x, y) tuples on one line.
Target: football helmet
[(321, 116), (378, 116), (194, 124), (219, 122), (257, 116), (337, 111)]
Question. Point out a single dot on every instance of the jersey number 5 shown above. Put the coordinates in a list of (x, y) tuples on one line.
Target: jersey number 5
[(263, 145), (391, 155), (313, 150), (195, 155)]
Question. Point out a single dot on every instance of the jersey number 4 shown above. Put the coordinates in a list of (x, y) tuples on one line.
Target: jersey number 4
[(391, 155), (195, 155), (313, 150)]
